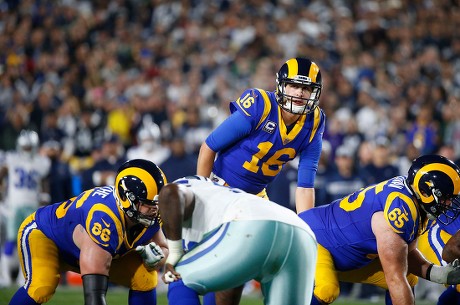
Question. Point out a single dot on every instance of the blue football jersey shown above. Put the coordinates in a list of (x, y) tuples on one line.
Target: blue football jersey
[(450, 228), (97, 211), (254, 161), (344, 226)]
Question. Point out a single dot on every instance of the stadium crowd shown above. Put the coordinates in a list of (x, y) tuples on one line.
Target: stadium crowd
[(97, 79)]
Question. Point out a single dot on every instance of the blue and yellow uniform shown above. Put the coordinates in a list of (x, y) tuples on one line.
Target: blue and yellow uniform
[(435, 238), (46, 245), (346, 240), (255, 143), (432, 242)]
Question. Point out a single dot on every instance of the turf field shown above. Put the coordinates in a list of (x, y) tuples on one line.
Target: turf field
[(119, 296)]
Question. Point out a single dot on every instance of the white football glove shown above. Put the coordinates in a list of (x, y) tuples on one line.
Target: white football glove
[(151, 254), (449, 274)]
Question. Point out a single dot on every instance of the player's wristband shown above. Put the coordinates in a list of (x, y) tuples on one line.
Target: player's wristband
[(428, 271), (175, 251), (94, 288)]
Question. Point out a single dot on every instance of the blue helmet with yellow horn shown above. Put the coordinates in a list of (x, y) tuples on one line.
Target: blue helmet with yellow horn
[(137, 183), (435, 181)]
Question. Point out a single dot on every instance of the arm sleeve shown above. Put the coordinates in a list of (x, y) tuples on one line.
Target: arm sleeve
[(235, 127), (94, 288), (308, 164)]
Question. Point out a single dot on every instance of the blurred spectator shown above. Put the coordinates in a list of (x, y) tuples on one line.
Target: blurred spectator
[(194, 129), (380, 167), (104, 170), (342, 178), (324, 166), (180, 163), (17, 119), (424, 131), (451, 124), (60, 177)]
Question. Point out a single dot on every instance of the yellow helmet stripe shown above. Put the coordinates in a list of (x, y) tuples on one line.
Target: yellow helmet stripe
[(150, 184), (293, 68), (448, 170), (313, 73)]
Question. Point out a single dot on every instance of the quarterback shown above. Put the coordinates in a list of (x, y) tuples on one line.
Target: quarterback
[(268, 129), (370, 236), (105, 234)]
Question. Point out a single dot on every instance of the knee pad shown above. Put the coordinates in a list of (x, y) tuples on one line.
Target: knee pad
[(327, 293), (42, 294), (144, 281)]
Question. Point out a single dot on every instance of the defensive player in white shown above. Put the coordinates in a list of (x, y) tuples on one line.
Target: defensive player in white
[(229, 238), (25, 170)]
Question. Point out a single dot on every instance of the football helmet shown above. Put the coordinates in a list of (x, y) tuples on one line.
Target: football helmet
[(149, 136), (27, 142), (300, 71), (137, 183), (435, 181)]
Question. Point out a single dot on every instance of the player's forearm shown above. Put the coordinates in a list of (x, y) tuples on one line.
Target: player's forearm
[(401, 293), (304, 199), (451, 250), (205, 160), (417, 264)]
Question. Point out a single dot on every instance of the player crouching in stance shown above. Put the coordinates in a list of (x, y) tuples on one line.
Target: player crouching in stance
[(233, 237), (370, 236), (105, 234)]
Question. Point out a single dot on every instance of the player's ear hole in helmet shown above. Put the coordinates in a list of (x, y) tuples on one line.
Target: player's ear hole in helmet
[(137, 183), (435, 181), (300, 72)]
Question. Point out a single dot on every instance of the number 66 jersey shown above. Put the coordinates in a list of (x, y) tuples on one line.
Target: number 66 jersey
[(344, 226), (97, 211)]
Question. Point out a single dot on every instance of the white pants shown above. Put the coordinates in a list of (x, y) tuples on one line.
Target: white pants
[(281, 257)]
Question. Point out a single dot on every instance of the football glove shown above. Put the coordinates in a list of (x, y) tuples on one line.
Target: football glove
[(449, 274), (151, 254)]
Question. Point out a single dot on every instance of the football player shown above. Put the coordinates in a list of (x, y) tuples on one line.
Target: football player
[(440, 244), (231, 237), (95, 234), (266, 130), (370, 236), (25, 171)]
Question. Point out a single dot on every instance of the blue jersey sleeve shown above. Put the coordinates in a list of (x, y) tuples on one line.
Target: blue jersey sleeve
[(251, 105), (309, 158), (235, 127), (402, 216)]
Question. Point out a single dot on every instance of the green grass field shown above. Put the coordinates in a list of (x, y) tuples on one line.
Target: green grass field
[(119, 296)]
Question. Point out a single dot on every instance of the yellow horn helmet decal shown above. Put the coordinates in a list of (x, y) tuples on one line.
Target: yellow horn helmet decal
[(446, 169)]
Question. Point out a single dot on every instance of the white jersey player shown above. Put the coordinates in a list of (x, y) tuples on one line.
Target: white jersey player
[(24, 170), (232, 237)]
